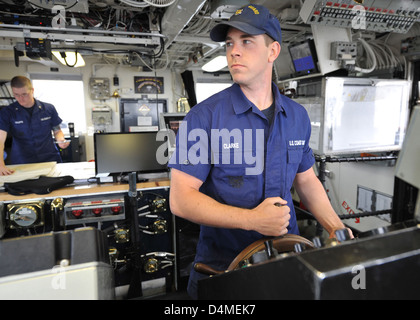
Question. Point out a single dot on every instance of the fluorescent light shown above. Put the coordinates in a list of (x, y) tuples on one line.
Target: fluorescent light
[(68, 58), (215, 64)]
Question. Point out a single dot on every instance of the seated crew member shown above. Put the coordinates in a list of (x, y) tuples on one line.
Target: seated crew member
[(213, 181), (29, 122)]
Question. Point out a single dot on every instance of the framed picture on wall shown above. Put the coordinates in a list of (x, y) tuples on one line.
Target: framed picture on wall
[(148, 85)]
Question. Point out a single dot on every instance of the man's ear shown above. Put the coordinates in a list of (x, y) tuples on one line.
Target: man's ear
[(275, 51)]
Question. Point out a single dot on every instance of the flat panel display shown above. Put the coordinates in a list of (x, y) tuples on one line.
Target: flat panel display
[(128, 152), (304, 57)]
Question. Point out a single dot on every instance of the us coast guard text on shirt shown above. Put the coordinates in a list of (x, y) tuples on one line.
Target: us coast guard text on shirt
[(296, 143)]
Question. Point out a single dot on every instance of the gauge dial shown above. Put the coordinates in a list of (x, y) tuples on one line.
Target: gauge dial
[(25, 216)]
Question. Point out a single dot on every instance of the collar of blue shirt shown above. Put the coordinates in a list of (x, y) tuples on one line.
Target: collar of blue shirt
[(241, 104)]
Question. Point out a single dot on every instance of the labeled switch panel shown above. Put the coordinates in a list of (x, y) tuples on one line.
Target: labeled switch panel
[(369, 15)]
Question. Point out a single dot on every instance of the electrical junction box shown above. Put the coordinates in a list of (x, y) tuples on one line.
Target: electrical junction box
[(343, 50), (99, 88), (101, 115), (38, 48)]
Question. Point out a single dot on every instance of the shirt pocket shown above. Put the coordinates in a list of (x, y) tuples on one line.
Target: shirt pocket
[(20, 129), (294, 158), (234, 185)]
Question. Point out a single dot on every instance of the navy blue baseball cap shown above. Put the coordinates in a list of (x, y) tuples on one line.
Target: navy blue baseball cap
[(252, 19)]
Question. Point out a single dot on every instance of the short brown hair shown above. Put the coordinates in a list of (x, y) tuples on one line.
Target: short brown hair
[(268, 39), (20, 82)]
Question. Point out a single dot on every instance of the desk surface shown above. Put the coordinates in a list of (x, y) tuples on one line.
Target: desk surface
[(82, 170), (82, 190)]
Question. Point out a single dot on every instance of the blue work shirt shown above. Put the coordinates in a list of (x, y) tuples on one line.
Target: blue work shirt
[(228, 143), (32, 137)]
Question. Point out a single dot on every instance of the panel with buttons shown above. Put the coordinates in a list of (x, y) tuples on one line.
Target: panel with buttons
[(377, 16), (94, 209)]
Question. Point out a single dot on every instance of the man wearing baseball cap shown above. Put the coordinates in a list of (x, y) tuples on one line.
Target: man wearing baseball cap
[(257, 146), (251, 19)]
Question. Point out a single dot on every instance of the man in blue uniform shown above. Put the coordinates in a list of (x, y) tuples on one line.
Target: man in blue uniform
[(239, 152), (30, 123)]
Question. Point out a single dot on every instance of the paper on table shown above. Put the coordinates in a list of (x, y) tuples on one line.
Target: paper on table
[(28, 171), (78, 170)]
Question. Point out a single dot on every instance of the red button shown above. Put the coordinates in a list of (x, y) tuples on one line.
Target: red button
[(116, 209), (97, 211), (77, 213)]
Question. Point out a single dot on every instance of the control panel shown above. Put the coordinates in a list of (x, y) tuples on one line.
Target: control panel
[(101, 115), (38, 48), (379, 265), (343, 50), (370, 15), (139, 232), (156, 243), (93, 209), (99, 88)]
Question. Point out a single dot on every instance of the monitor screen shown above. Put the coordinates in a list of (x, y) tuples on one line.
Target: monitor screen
[(117, 153), (304, 57)]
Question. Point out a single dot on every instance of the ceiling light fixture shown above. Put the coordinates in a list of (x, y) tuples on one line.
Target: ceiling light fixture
[(216, 64), (70, 58)]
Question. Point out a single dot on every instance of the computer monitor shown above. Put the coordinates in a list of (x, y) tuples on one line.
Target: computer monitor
[(117, 153), (304, 57)]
